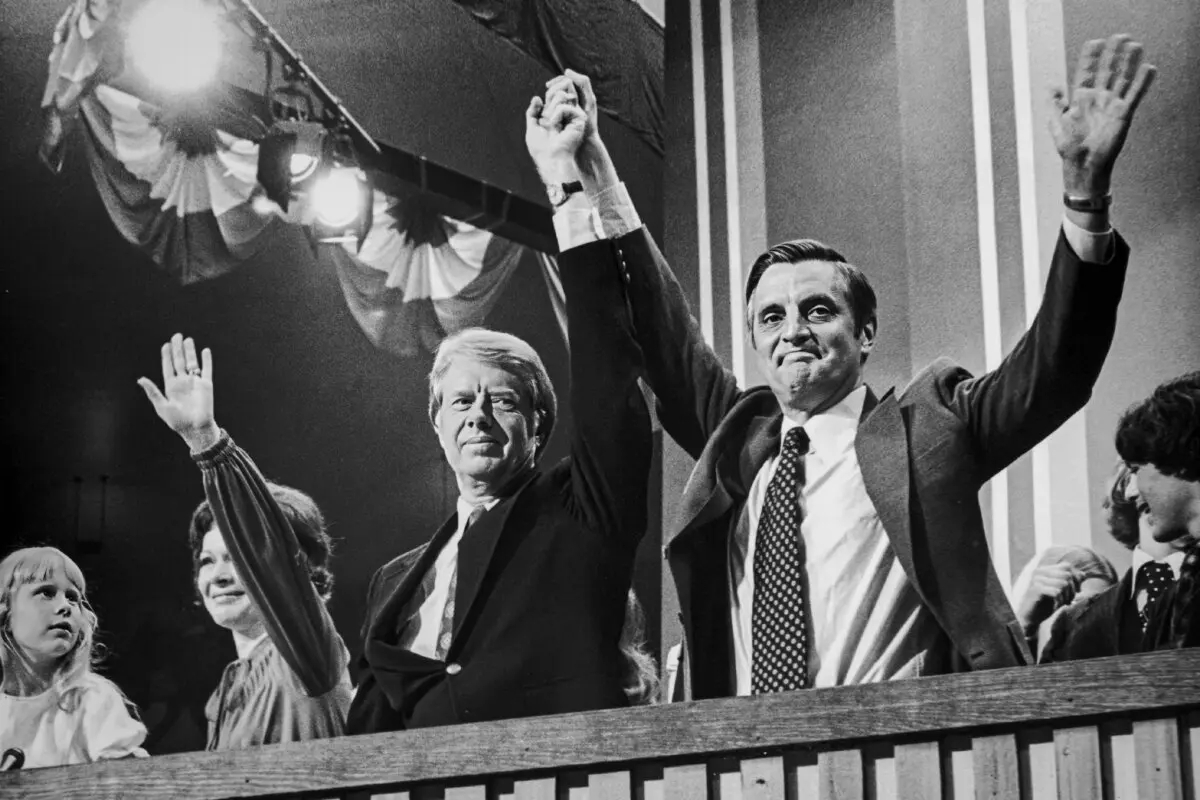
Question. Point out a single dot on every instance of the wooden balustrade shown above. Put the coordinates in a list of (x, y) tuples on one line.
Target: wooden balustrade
[(1125, 727)]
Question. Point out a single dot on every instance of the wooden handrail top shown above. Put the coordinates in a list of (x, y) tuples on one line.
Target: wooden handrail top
[(1125, 686)]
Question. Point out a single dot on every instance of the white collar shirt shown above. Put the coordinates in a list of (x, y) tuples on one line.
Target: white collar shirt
[(866, 621)]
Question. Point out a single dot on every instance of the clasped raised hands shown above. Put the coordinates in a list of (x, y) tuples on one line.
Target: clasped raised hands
[(1089, 125), (185, 402)]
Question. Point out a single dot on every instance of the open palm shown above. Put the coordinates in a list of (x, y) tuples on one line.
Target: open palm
[(1090, 126), (185, 402)]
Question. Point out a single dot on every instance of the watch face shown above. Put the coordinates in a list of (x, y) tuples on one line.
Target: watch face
[(556, 194)]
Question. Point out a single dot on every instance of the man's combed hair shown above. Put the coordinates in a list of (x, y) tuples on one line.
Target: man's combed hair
[(1164, 429), (503, 351), (307, 521), (859, 292)]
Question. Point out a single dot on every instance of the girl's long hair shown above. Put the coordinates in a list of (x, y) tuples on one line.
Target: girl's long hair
[(641, 681), (29, 565)]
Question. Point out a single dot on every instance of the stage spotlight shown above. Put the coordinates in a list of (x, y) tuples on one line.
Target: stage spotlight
[(341, 202), (176, 43), (288, 156)]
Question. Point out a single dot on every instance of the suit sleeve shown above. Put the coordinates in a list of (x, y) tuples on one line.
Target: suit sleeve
[(694, 390), (612, 436), (1050, 372), (271, 566)]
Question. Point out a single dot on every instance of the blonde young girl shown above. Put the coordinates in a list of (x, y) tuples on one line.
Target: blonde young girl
[(52, 705)]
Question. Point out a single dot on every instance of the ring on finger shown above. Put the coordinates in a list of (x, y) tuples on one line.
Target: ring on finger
[(194, 372)]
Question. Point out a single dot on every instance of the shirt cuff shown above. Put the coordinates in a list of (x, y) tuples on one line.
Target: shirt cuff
[(616, 212), (1090, 247), (575, 225)]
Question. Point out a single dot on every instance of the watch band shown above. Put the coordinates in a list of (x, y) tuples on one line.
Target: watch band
[(559, 193), (1087, 204)]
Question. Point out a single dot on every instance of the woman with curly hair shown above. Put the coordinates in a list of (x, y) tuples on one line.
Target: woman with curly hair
[(53, 706), (260, 554)]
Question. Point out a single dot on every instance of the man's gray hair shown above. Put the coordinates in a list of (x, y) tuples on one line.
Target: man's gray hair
[(509, 353)]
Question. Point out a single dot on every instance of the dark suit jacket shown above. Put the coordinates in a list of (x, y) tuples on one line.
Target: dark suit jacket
[(543, 575), (924, 453), (1106, 624)]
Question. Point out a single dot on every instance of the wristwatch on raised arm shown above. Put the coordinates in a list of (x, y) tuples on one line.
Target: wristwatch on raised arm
[(1089, 205), (559, 193)]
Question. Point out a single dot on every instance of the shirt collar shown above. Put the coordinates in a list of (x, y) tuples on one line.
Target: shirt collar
[(1140, 556), (464, 511), (827, 427)]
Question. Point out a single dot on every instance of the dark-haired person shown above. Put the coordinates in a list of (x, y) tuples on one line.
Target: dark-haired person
[(830, 536), (1160, 439), (1112, 622), (261, 554)]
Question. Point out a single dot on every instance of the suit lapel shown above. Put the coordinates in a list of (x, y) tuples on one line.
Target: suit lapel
[(727, 468), (475, 552), (384, 626), (881, 445)]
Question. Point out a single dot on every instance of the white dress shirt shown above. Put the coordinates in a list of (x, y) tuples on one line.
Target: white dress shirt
[(866, 621), (444, 566), (1140, 556)]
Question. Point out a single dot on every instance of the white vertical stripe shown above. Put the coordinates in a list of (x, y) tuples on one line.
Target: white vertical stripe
[(989, 266), (737, 320), (1031, 256), (703, 217)]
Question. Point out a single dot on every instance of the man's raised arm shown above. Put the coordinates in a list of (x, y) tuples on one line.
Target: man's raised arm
[(591, 203), (1050, 372)]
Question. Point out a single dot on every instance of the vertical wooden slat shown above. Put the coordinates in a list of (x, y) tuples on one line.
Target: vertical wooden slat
[(958, 767), (466, 793), (1118, 765), (610, 786), (1156, 745), (725, 778), (841, 775), (1190, 755), (918, 771), (762, 778), (879, 771), (648, 782), (997, 775), (534, 789), (802, 774), (1035, 752), (1077, 760), (686, 782)]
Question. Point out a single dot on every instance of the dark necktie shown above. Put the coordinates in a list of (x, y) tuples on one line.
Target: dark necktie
[(778, 624), (1153, 578)]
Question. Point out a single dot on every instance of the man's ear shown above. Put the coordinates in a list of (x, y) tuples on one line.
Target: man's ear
[(866, 336)]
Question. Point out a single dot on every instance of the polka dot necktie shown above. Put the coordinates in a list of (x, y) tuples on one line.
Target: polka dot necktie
[(778, 625), (1153, 578)]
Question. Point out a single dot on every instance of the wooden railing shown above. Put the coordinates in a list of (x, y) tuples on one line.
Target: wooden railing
[(1124, 727)]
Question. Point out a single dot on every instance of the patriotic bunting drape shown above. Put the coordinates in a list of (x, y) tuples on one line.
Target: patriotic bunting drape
[(189, 199)]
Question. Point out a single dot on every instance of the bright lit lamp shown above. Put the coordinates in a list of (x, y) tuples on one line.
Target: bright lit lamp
[(341, 202), (176, 43)]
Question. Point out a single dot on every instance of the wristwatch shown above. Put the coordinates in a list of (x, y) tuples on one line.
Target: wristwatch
[(1087, 204), (560, 192)]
